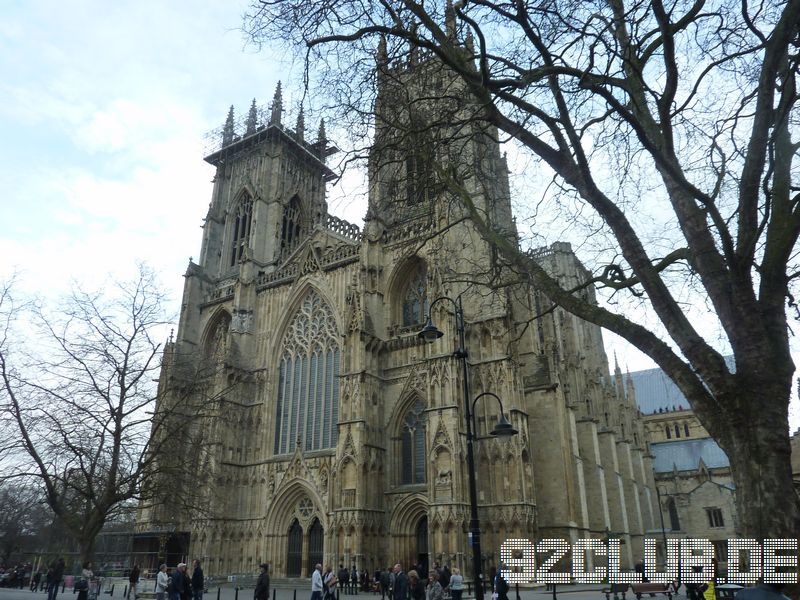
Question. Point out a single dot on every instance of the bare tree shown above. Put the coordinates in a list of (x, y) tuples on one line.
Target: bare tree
[(78, 405), (684, 111), (18, 518)]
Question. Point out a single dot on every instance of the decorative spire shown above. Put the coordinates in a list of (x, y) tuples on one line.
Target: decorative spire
[(469, 42), (450, 20), (300, 130), (277, 107), (413, 58), (227, 130), (322, 137), (252, 119), (382, 56)]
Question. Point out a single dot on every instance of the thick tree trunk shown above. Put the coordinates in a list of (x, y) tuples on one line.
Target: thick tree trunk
[(756, 441), (86, 549)]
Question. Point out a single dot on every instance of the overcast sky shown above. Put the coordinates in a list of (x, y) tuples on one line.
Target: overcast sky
[(103, 111)]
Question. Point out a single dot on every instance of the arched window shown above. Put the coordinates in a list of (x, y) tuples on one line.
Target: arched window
[(413, 445), (674, 521), (677, 431), (308, 379), (415, 304), (668, 432), (291, 226), (240, 236), (686, 429)]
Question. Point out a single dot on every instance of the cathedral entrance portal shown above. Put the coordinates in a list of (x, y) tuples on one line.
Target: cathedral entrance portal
[(294, 559), (316, 538), (422, 545)]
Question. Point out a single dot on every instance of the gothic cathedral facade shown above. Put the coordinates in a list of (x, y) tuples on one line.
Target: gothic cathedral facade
[(338, 435)]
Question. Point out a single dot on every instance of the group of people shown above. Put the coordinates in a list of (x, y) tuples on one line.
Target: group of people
[(393, 583), (179, 584)]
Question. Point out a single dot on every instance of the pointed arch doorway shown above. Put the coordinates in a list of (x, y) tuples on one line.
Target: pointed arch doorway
[(316, 541), (422, 543), (294, 558)]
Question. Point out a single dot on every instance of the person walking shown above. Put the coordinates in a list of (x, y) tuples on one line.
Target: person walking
[(55, 578), (177, 583), (415, 586), (82, 585), (329, 583), (456, 584), (400, 590), (133, 579), (198, 581), (162, 583), (262, 585), (316, 583), (434, 590), (344, 578), (385, 580)]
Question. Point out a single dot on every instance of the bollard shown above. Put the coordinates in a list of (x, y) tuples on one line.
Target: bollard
[(274, 591), (111, 591), (63, 586), (219, 589), (294, 594), (236, 594), (516, 587), (337, 593), (125, 592)]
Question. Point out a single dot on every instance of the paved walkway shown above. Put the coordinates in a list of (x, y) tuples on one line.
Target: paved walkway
[(229, 592)]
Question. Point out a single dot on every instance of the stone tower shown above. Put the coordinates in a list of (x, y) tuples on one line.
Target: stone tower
[(336, 435)]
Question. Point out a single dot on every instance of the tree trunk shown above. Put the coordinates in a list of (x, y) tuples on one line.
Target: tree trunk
[(86, 549), (757, 443)]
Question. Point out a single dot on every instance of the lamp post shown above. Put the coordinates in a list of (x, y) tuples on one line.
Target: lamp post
[(503, 429)]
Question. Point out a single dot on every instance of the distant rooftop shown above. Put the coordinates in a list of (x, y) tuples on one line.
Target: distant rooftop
[(685, 455), (655, 390)]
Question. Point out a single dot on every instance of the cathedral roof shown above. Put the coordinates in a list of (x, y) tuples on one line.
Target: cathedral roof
[(685, 455), (655, 390)]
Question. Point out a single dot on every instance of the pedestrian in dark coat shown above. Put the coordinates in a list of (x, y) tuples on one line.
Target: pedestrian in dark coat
[(400, 590), (262, 585), (198, 581)]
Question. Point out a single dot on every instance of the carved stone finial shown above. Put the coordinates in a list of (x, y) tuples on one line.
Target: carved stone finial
[(450, 20), (252, 119), (322, 137), (300, 129), (277, 106), (382, 56), (227, 130)]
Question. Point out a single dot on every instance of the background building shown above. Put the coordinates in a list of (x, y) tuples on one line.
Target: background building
[(338, 435), (692, 472)]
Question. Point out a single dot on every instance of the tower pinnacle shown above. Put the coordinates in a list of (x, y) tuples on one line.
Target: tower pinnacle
[(277, 107), (300, 129), (252, 119), (227, 130)]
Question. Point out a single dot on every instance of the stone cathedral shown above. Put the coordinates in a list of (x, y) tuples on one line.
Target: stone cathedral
[(338, 435)]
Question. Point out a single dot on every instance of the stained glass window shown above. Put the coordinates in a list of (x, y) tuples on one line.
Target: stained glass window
[(291, 227), (240, 236), (413, 445), (415, 303), (308, 385)]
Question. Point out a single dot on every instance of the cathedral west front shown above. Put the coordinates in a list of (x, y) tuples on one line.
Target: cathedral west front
[(337, 435)]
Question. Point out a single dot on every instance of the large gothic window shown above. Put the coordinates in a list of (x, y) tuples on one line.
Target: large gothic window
[(415, 302), (308, 379), (413, 445), (240, 235)]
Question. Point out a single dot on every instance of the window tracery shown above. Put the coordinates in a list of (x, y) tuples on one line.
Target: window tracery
[(415, 303), (308, 379), (413, 445), (291, 226), (240, 235)]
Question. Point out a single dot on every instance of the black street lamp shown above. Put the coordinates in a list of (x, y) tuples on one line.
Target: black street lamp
[(503, 429)]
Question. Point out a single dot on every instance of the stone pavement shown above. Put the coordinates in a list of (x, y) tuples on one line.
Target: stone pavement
[(229, 592)]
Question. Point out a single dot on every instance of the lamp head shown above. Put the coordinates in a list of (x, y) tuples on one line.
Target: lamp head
[(430, 332), (503, 430)]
